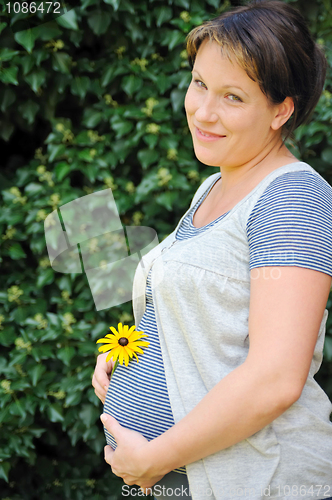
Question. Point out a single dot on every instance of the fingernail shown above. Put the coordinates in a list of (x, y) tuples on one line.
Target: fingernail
[(103, 418)]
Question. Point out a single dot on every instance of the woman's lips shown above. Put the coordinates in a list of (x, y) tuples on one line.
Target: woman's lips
[(207, 137)]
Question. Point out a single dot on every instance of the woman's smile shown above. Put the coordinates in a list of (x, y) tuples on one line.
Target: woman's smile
[(207, 136)]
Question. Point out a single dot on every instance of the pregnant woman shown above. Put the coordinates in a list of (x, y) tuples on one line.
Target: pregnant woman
[(224, 398)]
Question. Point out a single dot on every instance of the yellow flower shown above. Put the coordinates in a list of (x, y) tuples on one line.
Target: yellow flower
[(152, 128), (185, 16), (41, 215), (41, 169), (10, 232), (110, 101), (137, 218), (42, 322), (44, 262), (5, 385), (172, 154), (123, 344), (119, 51), (142, 63), (14, 292), (21, 344)]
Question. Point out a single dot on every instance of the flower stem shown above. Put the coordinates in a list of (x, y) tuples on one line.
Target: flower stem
[(114, 367)]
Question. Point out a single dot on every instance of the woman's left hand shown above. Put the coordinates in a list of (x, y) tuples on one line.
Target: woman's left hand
[(129, 459)]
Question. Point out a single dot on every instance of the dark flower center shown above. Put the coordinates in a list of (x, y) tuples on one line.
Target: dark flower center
[(123, 341)]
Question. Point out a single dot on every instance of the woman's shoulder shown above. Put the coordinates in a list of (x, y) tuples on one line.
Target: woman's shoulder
[(300, 187)]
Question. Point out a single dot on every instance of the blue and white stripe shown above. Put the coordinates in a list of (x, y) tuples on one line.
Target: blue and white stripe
[(291, 224)]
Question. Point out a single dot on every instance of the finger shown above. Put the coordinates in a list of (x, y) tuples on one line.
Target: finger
[(108, 454), (100, 396), (99, 390), (100, 378), (112, 426)]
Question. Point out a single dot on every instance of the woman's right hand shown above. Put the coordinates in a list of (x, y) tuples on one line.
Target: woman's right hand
[(101, 376)]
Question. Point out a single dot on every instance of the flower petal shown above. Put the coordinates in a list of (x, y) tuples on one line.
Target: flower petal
[(105, 341), (115, 332), (142, 343), (135, 336), (120, 328), (115, 352), (134, 353), (126, 356), (135, 349), (131, 330), (105, 348), (109, 356), (121, 355)]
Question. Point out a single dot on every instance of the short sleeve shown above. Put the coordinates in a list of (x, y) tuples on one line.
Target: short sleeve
[(291, 223)]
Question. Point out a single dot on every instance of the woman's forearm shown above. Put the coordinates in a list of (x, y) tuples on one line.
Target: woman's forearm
[(236, 408)]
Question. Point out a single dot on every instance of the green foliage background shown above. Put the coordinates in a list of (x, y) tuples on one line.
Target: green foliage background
[(92, 100)]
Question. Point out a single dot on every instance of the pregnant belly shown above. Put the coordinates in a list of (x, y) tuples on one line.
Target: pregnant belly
[(137, 397)]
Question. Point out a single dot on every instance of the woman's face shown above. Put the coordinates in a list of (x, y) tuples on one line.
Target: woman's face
[(228, 115)]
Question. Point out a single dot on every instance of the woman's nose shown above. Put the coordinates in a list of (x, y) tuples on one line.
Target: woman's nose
[(206, 110)]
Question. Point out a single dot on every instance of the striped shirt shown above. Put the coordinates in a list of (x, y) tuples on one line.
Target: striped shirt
[(291, 224)]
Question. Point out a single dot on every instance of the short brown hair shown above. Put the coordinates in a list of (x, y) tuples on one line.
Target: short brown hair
[(270, 40)]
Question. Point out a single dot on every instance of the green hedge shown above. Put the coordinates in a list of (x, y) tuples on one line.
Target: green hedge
[(107, 82)]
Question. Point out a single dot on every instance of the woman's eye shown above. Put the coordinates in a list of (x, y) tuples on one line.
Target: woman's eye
[(198, 82), (234, 98)]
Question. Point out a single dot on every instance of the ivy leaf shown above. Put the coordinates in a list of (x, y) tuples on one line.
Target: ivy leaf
[(62, 62), (26, 38), (6, 54), (328, 348), (327, 155), (55, 150), (8, 99), (177, 99), (115, 4), (89, 415), (4, 470), (163, 14), (9, 75), (120, 126), (80, 85), (36, 372), (167, 199), (36, 79), (55, 413), (131, 84), (16, 252), (91, 117), (147, 157), (61, 170), (68, 20), (99, 22), (73, 398), (66, 354), (29, 110), (45, 278), (2, 26)]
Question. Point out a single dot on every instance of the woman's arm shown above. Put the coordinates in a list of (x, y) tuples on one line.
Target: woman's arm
[(286, 309)]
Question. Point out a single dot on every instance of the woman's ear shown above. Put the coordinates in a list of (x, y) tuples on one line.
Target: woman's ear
[(283, 112)]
